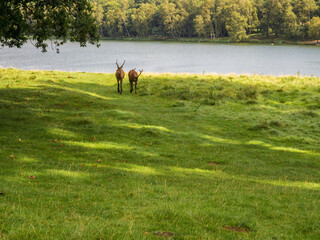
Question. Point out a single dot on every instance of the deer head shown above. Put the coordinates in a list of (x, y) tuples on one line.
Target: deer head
[(121, 65)]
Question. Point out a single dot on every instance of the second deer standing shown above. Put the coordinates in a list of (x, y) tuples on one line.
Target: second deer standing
[(133, 78)]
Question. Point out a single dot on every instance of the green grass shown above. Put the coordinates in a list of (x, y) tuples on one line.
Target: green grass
[(252, 39), (188, 157)]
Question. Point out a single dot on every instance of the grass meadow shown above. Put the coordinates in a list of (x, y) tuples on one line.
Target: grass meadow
[(187, 157)]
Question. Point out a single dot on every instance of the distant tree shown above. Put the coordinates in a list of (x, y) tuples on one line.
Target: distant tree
[(249, 11), (278, 18), (114, 22), (314, 28), (98, 14), (236, 22), (317, 12), (204, 21), (115, 18), (219, 17), (142, 18), (290, 25), (271, 17), (199, 26), (304, 9), (192, 8), (173, 18), (236, 26), (42, 20)]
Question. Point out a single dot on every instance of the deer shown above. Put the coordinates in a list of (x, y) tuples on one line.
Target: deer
[(133, 78), (120, 76)]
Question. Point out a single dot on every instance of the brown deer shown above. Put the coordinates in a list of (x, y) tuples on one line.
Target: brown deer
[(120, 76), (133, 78)]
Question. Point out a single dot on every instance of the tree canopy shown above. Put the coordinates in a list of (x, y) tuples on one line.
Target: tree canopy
[(314, 28), (42, 20), (84, 21), (236, 19)]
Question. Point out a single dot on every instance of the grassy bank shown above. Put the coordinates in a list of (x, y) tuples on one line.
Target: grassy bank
[(254, 39), (188, 157)]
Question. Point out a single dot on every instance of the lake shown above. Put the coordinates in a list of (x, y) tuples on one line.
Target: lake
[(169, 57)]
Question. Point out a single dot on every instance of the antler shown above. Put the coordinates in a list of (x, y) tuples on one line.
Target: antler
[(140, 72), (121, 65)]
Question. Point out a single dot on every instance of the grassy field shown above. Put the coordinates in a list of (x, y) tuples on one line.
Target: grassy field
[(188, 157)]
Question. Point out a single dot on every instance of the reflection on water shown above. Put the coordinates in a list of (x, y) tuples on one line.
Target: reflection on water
[(169, 57)]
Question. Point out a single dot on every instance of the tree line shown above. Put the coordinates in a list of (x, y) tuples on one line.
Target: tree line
[(236, 19)]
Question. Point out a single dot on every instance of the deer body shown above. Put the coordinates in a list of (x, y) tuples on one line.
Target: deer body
[(133, 78), (120, 76)]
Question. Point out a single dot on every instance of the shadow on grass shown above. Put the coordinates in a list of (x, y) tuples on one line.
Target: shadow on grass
[(62, 120)]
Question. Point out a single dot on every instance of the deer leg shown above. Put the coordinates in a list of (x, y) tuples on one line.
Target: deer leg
[(135, 88), (118, 86), (131, 87), (121, 86)]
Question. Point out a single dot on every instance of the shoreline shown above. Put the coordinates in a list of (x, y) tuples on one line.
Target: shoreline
[(171, 73), (214, 41)]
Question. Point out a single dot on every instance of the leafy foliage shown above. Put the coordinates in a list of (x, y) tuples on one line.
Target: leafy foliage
[(314, 28), (142, 18), (206, 18), (47, 19), (57, 19)]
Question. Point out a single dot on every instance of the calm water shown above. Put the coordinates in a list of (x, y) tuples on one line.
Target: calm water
[(169, 57)]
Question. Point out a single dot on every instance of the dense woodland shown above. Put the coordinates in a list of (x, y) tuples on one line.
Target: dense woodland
[(236, 19)]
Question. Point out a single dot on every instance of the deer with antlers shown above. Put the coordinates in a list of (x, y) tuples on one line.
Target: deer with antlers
[(120, 76), (133, 78)]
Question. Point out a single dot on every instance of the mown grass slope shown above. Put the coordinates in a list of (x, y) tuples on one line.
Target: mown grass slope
[(188, 157)]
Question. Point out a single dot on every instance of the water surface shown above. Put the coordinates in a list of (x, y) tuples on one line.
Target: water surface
[(169, 57)]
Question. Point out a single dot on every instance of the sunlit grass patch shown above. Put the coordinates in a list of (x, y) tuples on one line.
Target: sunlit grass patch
[(196, 171), (137, 169), (68, 173), (139, 126), (100, 145), (28, 159), (62, 133), (285, 183), (218, 139)]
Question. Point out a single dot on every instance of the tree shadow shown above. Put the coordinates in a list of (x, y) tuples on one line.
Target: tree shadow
[(62, 111)]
